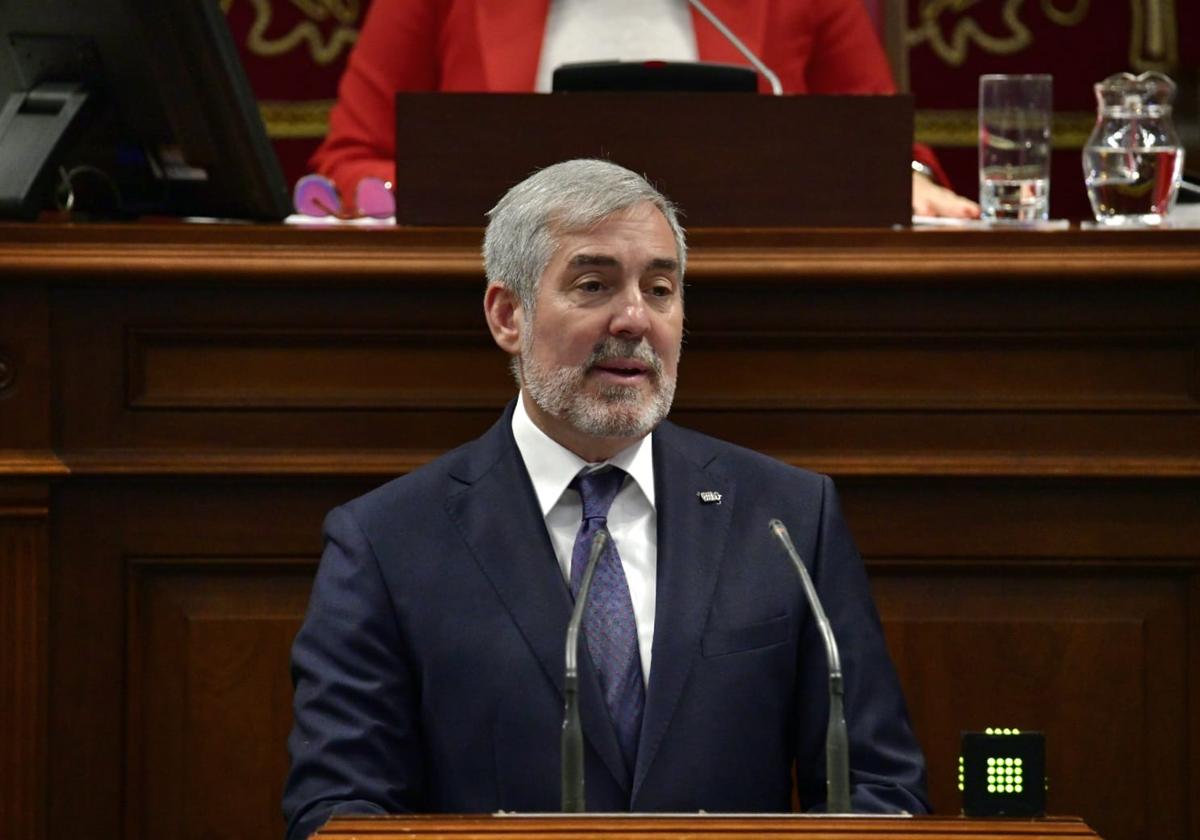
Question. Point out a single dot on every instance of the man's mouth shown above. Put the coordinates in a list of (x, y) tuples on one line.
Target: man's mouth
[(623, 368)]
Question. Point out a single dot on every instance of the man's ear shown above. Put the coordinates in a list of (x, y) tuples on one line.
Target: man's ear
[(505, 317)]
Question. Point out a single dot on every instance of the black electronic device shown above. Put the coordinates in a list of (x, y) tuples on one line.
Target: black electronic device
[(141, 105), (697, 76), (1002, 773)]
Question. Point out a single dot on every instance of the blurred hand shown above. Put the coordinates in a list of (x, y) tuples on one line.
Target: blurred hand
[(928, 199)]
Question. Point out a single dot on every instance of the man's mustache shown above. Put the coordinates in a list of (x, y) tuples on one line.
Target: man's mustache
[(614, 349)]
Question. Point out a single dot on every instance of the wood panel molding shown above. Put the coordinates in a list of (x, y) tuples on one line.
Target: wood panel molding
[(24, 581), (111, 255), (262, 369), (321, 370), (1033, 371), (24, 367), (209, 696), (1070, 651), (27, 464)]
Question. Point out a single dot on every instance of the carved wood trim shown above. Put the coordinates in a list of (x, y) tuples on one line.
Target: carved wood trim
[(168, 254), (31, 464)]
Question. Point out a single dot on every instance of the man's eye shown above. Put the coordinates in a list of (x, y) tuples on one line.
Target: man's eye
[(662, 290), (590, 286)]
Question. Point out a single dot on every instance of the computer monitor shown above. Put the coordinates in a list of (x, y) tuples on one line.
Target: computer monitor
[(145, 99)]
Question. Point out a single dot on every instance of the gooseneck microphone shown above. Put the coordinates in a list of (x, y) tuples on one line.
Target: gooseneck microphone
[(837, 743), (572, 730), (727, 33)]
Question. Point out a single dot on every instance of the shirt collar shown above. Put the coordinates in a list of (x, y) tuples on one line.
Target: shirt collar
[(552, 467)]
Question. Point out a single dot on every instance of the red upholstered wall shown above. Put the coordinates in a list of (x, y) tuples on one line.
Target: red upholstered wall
[(294, 51)]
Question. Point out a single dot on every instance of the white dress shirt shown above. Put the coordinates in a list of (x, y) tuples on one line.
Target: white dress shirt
[(632, 520), (615, 30)]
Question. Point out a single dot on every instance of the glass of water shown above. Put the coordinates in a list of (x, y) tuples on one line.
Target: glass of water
[(1015, 114)]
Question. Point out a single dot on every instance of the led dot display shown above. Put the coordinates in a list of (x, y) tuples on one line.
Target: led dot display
[(1004, 775)]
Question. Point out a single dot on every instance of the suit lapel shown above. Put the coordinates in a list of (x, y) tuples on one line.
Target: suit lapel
[(498, 515), (691, 543), (510, 40)]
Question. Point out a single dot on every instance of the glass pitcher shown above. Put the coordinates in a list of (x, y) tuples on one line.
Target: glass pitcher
[(1133, 160)]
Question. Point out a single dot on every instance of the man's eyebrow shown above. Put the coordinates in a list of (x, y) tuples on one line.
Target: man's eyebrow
[(584, 260), (606, 261)]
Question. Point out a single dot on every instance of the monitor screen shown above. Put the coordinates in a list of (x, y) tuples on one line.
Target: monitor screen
[(136, 107)]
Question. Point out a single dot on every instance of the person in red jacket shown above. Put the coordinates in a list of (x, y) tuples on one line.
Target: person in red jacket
[(815, 46)]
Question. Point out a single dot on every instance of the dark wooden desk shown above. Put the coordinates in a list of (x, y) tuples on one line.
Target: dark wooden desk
[(1013, 420)]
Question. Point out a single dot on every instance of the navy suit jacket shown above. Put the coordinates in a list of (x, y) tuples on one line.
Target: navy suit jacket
[(428, 673)]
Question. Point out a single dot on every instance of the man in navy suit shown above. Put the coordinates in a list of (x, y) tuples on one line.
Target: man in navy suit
[(429, 670)]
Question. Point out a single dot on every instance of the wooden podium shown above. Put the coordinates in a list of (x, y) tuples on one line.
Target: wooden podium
[(740, 827)]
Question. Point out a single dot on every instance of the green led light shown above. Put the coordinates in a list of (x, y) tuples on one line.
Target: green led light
[(960, 787), (1008, 762), (1017, 762), (988, 731), (1018, 788), (991, 788)]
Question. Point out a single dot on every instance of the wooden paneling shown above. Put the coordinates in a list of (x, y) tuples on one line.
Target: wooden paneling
[(173, 608), (1031, 372), (317, 370), (1080, 652), (1127, 522), (23, 645), (208, 692), (1013, 420), (24, 371), (160, 370)]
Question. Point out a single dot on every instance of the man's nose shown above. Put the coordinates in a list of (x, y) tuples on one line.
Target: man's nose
[(630, 317)]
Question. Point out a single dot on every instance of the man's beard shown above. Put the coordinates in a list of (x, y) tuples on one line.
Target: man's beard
[(606, 409)]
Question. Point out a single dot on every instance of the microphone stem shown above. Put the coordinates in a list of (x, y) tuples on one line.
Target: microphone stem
[(755, 61), (837, 741), (573, 799), (837, 752)]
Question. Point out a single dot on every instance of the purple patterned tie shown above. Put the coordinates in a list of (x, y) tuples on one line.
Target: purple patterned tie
[(608, 615)]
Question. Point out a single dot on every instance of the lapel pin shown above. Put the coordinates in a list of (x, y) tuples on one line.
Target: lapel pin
[(709, 497)]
